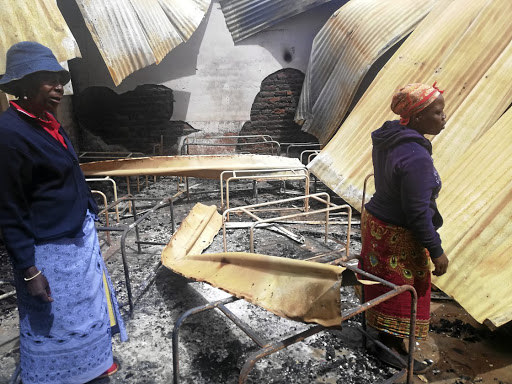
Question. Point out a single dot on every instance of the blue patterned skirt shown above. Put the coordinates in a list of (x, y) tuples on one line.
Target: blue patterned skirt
[(70, 339)]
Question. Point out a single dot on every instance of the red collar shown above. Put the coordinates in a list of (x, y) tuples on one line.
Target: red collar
[(25, 112), (51, 125)]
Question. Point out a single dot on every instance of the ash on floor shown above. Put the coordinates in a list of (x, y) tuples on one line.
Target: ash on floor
[(213, 350)]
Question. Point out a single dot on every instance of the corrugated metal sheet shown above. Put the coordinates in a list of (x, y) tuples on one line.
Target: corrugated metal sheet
[(161, 35), (185, 15), (343, 52), (41, 21), (133, 34), (247, 17), (466, 48), (119, 36), (477, 203)]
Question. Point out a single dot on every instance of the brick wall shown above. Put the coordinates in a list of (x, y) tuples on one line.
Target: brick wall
[(137, 120), (274, 107)]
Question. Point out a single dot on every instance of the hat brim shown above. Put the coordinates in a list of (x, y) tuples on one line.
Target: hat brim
[(24, 69)]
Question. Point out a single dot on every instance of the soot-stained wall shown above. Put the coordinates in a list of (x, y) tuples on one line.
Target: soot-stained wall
[(135, 121), (138, 120), (272, 114), (214, 80)]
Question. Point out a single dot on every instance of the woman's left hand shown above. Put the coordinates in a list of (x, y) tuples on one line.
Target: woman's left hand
[(37, 284), (441, 264), (39, 287)]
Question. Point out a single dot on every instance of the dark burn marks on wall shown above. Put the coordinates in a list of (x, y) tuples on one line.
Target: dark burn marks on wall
[(134, 121), (139, 120)]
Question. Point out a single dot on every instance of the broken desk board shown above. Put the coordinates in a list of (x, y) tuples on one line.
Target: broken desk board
[(294, 289), (205, 166)]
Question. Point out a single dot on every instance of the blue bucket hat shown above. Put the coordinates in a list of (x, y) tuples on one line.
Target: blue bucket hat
[(28, 57)]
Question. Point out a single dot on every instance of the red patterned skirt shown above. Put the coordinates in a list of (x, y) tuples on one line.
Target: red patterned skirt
[(393, 254)]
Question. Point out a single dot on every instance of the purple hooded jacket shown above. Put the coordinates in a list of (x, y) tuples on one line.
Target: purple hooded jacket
[(407, 184)]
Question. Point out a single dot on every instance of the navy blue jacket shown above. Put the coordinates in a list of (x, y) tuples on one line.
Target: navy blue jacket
[(406, 183), (43, 192)]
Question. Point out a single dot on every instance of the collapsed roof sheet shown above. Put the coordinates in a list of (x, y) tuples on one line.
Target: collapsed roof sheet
[(160, 33), (477, 201), (185, 15), (41, 21), (207, 166), (466, 48), (247, 17), (133, 34), (343, 51)]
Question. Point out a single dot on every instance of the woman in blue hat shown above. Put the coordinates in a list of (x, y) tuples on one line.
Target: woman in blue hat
[(66, 304)]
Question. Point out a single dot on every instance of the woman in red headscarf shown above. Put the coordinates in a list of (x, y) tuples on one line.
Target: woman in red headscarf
[(400, 222)]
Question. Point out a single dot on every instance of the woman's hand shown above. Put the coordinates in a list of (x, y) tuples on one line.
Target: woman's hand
[(441, 264), (37, 284)]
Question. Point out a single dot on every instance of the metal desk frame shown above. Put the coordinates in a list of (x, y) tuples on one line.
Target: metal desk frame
[(266, 347), (321, 197), (256, 175), (207, 142), (126, 229)]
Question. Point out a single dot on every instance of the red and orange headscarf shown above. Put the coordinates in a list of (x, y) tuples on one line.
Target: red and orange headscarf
[(412, 99)]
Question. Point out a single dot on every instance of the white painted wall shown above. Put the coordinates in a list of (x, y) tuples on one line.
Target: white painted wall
[(214, 81)]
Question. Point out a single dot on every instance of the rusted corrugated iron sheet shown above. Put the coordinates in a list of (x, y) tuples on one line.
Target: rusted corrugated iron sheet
[(477, 204), (466, 48), (161, 35), (133, 34), (207, 166), (185, 15), (343, 52), (41, 21), (247, 17), (119, 36)]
